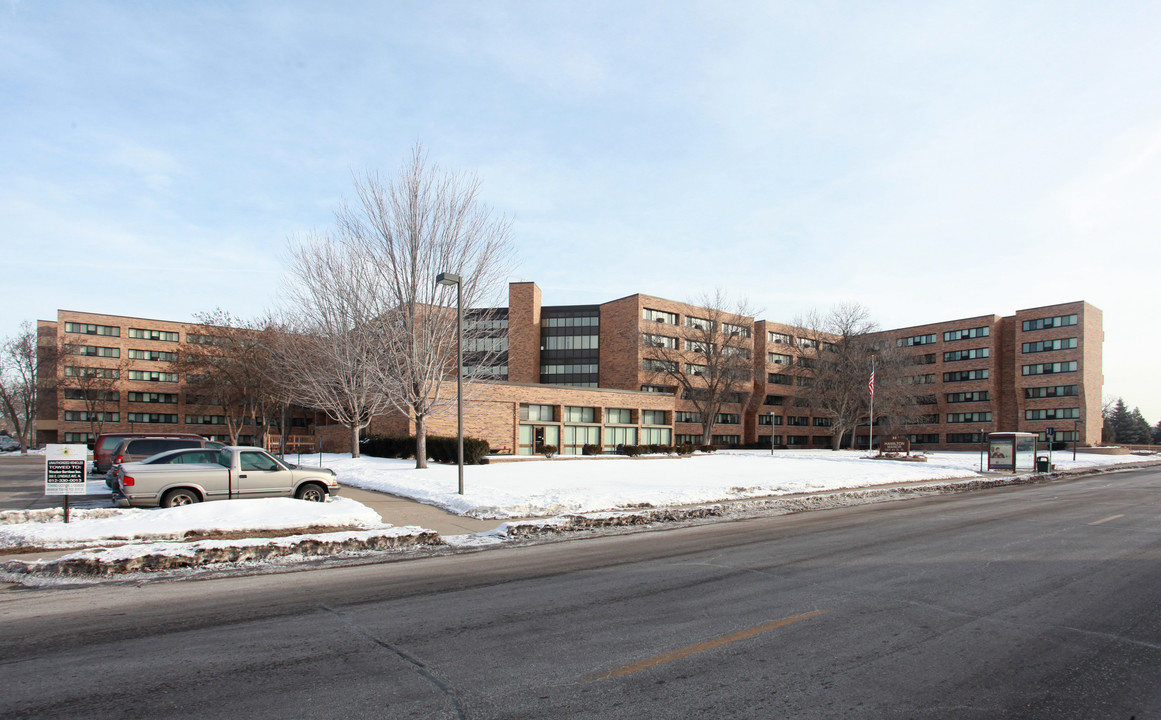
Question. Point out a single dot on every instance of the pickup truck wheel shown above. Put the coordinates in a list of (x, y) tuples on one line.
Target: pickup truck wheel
[(311, 492), (176, 498)]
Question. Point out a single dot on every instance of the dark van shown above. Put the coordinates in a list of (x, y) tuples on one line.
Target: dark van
[(106, 443)]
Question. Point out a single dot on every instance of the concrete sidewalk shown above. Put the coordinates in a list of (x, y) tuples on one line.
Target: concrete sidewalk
[(401, 511)]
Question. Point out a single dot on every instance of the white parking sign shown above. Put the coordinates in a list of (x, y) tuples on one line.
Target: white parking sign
[(65, 469)]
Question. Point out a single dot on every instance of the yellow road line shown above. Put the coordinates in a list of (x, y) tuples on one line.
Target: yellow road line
[(701, 647), (1114, 517)]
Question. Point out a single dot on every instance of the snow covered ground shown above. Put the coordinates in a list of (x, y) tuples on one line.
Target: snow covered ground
[(551, 487), (502, 490)]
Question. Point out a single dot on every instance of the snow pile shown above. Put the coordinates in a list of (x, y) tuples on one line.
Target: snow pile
[(265, 515), (564, 485), (156, 557)]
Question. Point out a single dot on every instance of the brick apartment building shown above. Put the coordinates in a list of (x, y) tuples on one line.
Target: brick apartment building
[(586, 374)]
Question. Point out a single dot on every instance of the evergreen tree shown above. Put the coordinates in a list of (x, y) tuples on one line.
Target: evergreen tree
[(1157, 433)]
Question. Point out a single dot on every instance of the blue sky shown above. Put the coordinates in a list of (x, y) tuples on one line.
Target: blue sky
[(929, 160)]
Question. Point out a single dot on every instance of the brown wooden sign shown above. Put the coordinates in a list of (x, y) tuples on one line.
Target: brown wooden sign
[(895, 444)]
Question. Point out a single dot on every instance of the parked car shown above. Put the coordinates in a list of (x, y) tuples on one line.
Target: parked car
[(183, 456), (106, 443), (240, 472), (8, 443), (136, 449)]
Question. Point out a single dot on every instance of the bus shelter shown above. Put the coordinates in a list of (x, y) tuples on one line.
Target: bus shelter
[(1012, 451)]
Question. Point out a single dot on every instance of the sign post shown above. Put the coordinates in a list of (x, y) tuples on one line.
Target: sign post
[(1050, 435), (65, 472)]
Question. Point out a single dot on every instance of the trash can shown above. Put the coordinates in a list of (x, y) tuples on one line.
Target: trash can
[(1042, 463)]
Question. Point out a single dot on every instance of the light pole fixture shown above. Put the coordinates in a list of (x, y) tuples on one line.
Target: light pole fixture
[(447, 278)]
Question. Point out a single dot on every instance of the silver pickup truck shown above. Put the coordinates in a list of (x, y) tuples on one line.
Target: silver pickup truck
[(240, 472)]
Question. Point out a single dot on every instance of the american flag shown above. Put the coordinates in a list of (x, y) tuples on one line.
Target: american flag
[(871, 383)]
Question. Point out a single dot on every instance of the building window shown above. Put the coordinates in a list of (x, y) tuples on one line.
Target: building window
[(91, 395), (925, 399), (736, 330), (964, 438), (92, 372), (575, 437), (618, 416), (696, 370), (656, 435), (926, 359), (971, 354), (1061, 436), (658, 341), (205, 419), (564, 342), (81, 438), (686, 416), (1050, 368), (923, 438), (774, 400), (660, 316), (573, 369), (1053, 414), (769, 419), (727, 419), (1050, 345), (726, 440), (90, 329), (584, 321), (653, 417), (537, 412), (1049, 322), (196, 339), (492, 344), (778, 338), (147, 334), (84, 416), (807, 343), (154, 355), (153, 418), (149, 376), (919, 420), (971, 417), (615, 436), (916, 340), (697, 346), (1051, 392), (698, 323), (976, 332), (94, 351), (821, 422), (796, 440), (804, 382), (799, 421), (965, 375), (962, 397), (580, 414), (925, 379), (655, 365), (732, 351), (148, 397), (664, 389), (777, 359)]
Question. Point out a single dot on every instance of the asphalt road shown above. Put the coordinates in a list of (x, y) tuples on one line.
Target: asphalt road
[(1032, 602)]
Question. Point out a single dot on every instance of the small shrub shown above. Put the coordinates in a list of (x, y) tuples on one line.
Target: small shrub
[(591, 450), (548, 450), (686, 449), (631, 450), (706, 448)]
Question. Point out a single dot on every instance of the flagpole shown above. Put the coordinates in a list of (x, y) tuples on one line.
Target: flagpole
[(871, 426)]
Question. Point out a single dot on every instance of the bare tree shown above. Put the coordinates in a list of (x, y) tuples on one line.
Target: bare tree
[(711, 362), (95, 387), (332, 356), (377, 328), (424, 222), (833, 355), (229, 367), (22, 362)]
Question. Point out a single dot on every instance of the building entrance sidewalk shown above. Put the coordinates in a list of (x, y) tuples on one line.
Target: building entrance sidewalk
[(402, 511)]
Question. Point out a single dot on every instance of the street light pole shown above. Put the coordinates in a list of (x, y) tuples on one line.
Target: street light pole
[(447, 278), (771, 432), (1075, 437)]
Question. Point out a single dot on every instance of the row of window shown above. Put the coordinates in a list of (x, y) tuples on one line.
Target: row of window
[(1053, 414), (916, 340), (1050, 345), (969, 354), (586, 321), (1049, 322), (564, 342), (579, 414), (1050, 368), (569, 369)]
